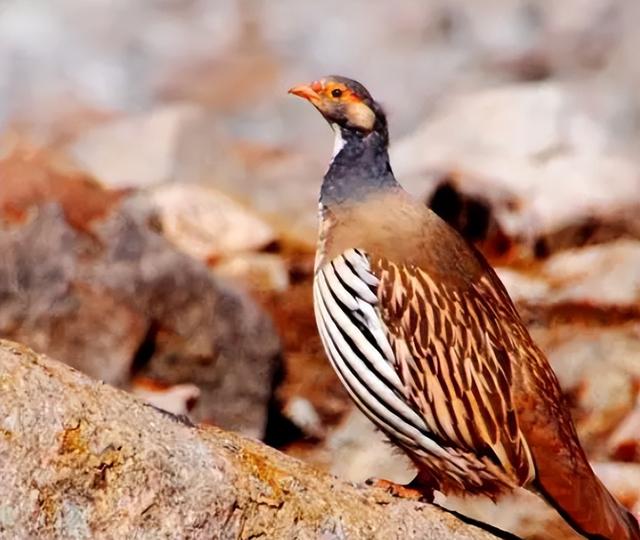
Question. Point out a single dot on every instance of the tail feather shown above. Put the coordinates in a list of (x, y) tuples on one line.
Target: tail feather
[(563, 474), (567, 481), (592, 511)]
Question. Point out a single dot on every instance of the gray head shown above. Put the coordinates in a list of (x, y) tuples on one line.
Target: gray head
[(345, 103)]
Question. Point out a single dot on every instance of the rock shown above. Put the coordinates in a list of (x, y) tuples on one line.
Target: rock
[(226, 82), (307, 374), (178, 399), (174, 57), (583, 33), (527, 516), (33, 176), (536, 40), (190, 147), (521, 513), (582, 309), (57, 122), (624, 443), (527, 150), (602, 334), (352, 449), (359, 451), (355, 450), (281, 185), (207, 224), (213, 54), (596, 367), (47, 304), (601, 274), (259, 272), (473, 217), (83, 460), (524, 287), (623, 479), (113, 298), (138, 151), (607, 397), (301, 412), (202, 332), (98, 56)]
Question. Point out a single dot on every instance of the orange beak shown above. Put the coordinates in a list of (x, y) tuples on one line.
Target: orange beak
[(307, 91)]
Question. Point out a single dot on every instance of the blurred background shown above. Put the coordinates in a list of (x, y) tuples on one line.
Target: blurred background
[(158, 197)]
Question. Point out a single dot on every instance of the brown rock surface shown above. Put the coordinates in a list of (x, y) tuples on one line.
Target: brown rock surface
[(595, 352), (137, 151), (624, 443), (536, 158), (207, 224), (30, 177), (109, 295), (79, 459)]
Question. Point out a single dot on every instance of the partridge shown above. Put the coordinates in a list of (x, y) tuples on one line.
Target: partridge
[(427, 342)]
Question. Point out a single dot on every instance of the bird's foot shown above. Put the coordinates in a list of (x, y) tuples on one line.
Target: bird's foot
[(409, 491)]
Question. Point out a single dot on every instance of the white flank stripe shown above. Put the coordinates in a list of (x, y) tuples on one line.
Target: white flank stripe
[(343, 295), (395, 424), (373, 324), (373, 384), (375, 411), (369, 351), (353, 281), (354, 391), (337, 320), (361, 265), (373, 396)]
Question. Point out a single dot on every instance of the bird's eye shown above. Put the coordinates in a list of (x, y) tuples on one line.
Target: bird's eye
[(336, 92)]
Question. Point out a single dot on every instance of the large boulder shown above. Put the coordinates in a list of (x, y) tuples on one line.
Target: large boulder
[(108, 294), (530, 162), (80, 459)]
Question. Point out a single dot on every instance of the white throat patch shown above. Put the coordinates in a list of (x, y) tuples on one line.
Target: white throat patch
[(338, 142)]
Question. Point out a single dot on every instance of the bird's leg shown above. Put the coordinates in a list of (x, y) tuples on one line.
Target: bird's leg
[(416, 490)]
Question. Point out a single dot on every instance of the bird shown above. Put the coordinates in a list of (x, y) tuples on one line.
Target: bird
[(427, 342)]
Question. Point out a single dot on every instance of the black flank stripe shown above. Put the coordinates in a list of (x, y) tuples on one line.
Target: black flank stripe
[(373, 416), (342, 281), (365, 406), (362, 357), (363, 330), (353, 270), (366, 362), (358, 322)]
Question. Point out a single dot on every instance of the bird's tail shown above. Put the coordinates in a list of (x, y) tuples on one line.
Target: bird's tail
[(587, 506), (563, 474)]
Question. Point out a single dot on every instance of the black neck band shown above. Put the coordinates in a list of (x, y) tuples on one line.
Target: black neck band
[(360, 167)]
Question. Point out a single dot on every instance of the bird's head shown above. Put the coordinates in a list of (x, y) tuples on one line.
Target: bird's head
[(345, 103)]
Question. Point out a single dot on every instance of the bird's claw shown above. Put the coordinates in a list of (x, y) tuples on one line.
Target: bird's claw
[(398, 490)]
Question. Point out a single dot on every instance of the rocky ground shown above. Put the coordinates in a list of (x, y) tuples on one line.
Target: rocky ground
[(158, 194), (81, 459)]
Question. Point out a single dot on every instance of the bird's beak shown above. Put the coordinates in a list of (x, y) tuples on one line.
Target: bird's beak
[(307, 91)]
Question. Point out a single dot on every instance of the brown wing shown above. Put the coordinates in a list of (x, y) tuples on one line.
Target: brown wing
[(471, 367), (563, 474), (455, 359)]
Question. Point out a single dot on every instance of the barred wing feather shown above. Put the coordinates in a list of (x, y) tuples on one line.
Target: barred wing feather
[(430, 367), (454, 356)]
